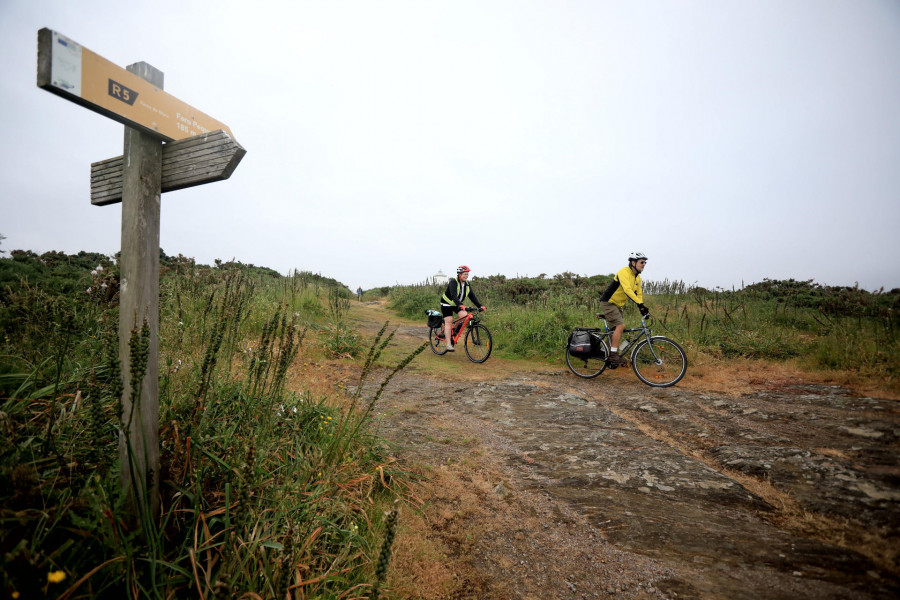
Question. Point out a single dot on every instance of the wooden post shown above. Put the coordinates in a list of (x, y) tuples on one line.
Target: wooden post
[(139, 300)]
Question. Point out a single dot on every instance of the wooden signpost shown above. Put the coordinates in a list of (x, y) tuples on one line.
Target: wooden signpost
[(169, 145)]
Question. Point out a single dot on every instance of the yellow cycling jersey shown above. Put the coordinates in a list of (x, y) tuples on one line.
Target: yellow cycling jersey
[(624, 285)]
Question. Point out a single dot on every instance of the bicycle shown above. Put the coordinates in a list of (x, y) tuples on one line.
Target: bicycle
[(655, 359), (478, 342)]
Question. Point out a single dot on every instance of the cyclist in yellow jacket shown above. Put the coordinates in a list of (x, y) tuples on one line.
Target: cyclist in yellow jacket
[(458, 294), (624, 286)]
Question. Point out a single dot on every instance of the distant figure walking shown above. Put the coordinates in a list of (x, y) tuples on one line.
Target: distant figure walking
[(359, 293)]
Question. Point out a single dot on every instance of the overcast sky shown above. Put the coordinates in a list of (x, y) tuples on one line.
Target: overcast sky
[(730, 141)]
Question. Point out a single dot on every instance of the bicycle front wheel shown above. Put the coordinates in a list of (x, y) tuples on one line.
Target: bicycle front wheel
[(436, 340), (478, 343), (661, 363)]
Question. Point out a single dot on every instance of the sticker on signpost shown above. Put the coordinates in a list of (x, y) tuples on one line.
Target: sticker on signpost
[(65, 69)]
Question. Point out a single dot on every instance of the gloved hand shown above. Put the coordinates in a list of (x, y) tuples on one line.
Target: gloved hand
[(483, 308), (644, 310)]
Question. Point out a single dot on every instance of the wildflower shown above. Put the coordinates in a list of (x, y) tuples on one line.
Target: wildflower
[(99, 268), (103, 285), (56, 576), (89, 290), (15, 595)]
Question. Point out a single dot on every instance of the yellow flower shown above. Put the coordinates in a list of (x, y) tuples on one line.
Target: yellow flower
[(15, 595), (55, 576)]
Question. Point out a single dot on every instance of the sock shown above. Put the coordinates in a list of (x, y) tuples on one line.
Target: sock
[(614, 349)]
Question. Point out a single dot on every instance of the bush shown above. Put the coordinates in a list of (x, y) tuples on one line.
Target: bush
[(258, 480)]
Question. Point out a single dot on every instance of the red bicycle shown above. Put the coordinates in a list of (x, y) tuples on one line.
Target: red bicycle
[(478, 343)]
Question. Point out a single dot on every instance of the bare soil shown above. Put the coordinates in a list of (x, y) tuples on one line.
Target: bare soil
[(536, 484)]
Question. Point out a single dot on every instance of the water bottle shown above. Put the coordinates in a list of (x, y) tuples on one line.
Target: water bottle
[(622, 347)]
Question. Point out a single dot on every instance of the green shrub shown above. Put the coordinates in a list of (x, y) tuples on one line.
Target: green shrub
[(829, 327), (258, 480)]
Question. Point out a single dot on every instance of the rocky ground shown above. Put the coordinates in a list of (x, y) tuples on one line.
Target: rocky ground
[(542, 485)]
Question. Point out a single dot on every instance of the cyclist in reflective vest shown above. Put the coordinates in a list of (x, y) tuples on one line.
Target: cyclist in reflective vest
[(626, 284), (458, 294)]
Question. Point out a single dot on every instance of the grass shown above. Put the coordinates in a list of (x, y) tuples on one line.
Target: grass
[(267, 488), (824, 328)]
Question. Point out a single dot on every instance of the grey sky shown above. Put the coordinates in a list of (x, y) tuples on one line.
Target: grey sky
[(729, 141)]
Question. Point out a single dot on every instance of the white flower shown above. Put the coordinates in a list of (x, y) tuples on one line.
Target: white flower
[(103, 285), (99, 268), (89, 290)]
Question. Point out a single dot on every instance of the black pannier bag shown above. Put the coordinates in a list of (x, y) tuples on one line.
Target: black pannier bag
[(435, 319), (580, 343), (598, 348)]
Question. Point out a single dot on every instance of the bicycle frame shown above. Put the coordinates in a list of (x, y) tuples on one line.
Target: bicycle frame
[(605, 333), (460, 324)]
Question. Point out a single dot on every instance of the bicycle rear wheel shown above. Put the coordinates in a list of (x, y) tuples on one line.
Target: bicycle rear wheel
[(478, 343), (661, 363), (588, 366), (436, 340)]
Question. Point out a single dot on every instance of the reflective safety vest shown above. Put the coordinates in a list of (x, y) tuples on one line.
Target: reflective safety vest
[(462, 293)]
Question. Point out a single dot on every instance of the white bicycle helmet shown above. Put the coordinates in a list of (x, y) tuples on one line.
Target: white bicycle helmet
[(637, 256)]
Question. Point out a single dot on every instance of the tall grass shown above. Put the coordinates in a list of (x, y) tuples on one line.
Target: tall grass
[(823, 326), (268, 490)]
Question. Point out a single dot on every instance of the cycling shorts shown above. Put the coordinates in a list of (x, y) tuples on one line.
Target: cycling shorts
[(448, 311)]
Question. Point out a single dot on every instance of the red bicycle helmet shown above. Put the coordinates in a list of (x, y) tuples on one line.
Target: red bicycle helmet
[(462, 269)]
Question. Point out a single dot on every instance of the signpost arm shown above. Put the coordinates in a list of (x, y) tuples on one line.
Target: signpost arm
[(139, 301)]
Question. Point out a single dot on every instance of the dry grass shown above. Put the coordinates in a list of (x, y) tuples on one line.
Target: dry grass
[(736, 376), (432, 553)]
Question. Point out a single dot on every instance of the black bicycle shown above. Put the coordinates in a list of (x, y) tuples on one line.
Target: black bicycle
[(656, 360), (478, 342)]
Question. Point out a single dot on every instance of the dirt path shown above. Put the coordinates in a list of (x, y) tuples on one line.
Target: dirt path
[(543, 485)]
